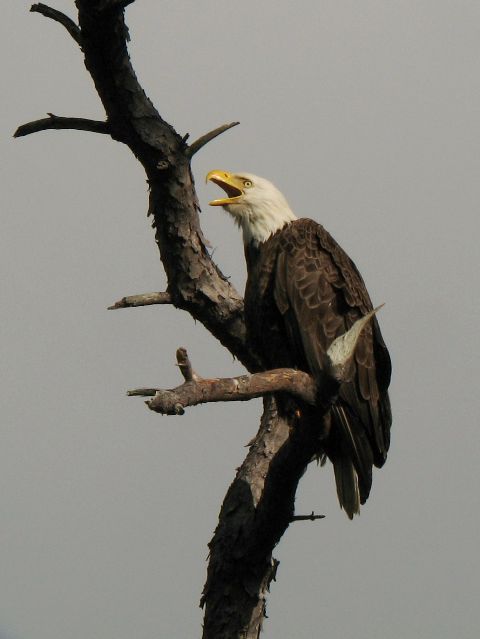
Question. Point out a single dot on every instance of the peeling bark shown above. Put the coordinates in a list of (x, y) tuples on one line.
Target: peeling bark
[(144, 299), (197, 390)]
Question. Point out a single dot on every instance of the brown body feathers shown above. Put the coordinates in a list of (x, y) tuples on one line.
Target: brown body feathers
[(303, 291)]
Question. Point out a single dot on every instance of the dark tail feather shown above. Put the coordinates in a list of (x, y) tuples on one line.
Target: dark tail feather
[(347, 485), (352, 458)]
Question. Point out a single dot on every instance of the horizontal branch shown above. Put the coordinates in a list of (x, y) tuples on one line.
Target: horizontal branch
[(72, 28), (143, 299), (142, 392), (233, 389), (311, 517), (60, 122), (199, 390), (205, 139)]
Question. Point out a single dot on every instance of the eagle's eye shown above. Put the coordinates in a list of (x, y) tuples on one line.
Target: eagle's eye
[(247, 184)]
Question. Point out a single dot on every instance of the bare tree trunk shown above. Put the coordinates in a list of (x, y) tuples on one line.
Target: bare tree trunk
[(259, 505)]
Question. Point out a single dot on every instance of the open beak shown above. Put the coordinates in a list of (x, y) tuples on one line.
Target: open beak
[(231, 184)]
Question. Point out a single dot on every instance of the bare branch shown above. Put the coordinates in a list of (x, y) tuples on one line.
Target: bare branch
[(144, 299), (230, 389), (311, 517), (59, 122), (198, 390), (72, 28), (142, 392), (205, 139)]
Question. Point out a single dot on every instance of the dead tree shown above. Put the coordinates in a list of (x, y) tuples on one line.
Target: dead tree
[(259, 504)]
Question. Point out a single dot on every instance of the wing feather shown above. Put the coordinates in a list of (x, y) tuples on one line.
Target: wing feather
[(320, 294)]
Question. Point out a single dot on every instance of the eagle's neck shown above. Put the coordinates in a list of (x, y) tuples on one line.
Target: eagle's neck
[(260, 220), (259, 225)]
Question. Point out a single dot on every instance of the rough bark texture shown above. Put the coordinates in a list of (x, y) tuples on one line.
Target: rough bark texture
[(143, 299), (198, 390), (194, 282), (259, 504), (236, 389)]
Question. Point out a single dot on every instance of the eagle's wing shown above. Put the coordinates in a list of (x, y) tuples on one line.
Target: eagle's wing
[(320, 294)]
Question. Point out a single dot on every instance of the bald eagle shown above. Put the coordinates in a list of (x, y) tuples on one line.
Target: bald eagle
[(302, 292)]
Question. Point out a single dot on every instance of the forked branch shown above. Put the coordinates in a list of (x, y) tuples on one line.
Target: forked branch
[(229, 389), (198, 390)]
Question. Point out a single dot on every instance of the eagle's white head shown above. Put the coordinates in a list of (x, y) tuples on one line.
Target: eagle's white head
[(256, 205)]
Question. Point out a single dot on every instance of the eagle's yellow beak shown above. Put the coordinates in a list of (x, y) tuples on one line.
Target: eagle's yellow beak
[(230, 183)]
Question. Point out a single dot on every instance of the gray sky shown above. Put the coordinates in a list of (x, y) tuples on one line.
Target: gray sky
[(366, 115)]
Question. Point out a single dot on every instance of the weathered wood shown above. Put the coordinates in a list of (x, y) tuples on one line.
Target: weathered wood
[(144, 299), (59, 17), (194, 282), (59, 122), (230, 389), (205, 139)]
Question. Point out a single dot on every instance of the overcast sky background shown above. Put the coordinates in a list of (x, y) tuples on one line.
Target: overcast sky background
[(365, 113)]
